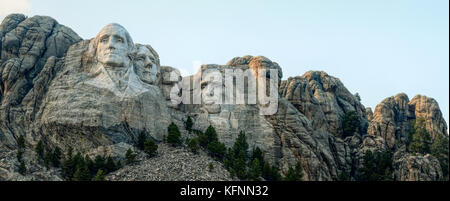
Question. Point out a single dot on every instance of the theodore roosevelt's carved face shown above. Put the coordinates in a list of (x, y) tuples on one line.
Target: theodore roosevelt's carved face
[(113, 46)]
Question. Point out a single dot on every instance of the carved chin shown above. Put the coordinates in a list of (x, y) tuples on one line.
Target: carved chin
[(213, 109)]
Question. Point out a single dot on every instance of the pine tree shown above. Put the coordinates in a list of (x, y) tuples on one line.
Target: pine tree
[(90, 165), (130, 156), (421, 139), (150, 147), (193, 145), (358, 97), (241, 145), (211, 134), (141, 140), (217, 150), (270, 173), (110, 165), (100, 176), (188, 124), (48, 155), (294, 174), (56, 157), (82, 173), (229, 160), (350, 123), (257, 154), (99, 163), (240, 167), (174, 136), (440, 150), (40, 149), (22, 168), (21, 142), (69, 164), (255, 171), (376, 166), (19, 155), (211, 167)]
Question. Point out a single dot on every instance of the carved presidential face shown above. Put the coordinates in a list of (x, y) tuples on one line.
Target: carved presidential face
[(146, 65), (113, 46), (212, 91)]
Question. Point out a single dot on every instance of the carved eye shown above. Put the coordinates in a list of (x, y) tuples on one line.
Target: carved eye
[(119, 40), (203, 85)]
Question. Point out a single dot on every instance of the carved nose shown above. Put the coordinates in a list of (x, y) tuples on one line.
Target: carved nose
[(148, 63)]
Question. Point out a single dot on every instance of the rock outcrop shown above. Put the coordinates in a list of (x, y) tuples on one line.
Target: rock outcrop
[(324, 100), (31, 48)]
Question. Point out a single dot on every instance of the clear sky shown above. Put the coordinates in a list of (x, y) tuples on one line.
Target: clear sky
[(377, 48)]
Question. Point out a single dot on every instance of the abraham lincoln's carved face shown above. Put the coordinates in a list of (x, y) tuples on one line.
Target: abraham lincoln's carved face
[(113, 46), (146, 65)]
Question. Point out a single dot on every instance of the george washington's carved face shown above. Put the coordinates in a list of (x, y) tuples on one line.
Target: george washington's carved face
[(113, 46)]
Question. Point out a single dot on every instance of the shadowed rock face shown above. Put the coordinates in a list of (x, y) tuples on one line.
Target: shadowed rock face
[(393, 117), (324, 100), (97, 95), (30, 48)]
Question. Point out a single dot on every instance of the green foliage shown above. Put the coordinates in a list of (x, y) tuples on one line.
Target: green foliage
[(150, 147), (241, 145), (82, 172), (377, 167), (174, 136), (270, 173), (343, 176), (217, 150), (20, 151), (48, 156), (21, 142), (255, 170), (79, 168), (188, 124), (358, 97), (99, 163), (100, 176), (350, 123), (141, 140), (40, 149), (240, 167), (294, 174), (209, 136), (56, 157), (211, 167), (420, 138), (440, 150), (19, 155), (22, 168), (130, 156), (110, 165), (68, 167), (193, 145)]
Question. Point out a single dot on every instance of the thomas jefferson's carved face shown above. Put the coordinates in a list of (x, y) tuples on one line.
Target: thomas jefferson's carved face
[(146, 66), (113, 48), (212, 91)]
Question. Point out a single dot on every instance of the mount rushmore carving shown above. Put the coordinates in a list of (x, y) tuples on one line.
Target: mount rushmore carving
[(103, 92)]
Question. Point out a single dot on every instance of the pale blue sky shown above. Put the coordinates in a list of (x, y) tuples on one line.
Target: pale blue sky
[(378, 48)]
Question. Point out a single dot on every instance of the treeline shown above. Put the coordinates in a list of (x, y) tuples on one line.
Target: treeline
[(237, 160), (420, 142)]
